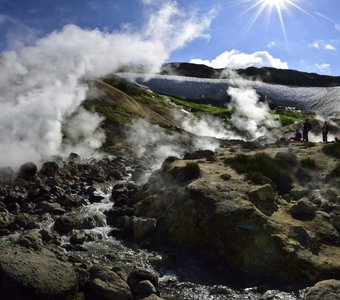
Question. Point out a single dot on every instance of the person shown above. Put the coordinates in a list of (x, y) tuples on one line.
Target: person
[(297, 137), (325, 130), (307, 126)]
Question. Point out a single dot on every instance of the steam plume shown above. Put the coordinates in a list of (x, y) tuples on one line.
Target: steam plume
[(44, 84)]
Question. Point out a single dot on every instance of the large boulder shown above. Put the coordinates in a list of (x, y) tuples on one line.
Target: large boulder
[(217, 218), (106, 284), (27, 170), (303, 209), (25, 274), (324, 290)]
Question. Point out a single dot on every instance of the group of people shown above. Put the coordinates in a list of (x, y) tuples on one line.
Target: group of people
[(306, 127)]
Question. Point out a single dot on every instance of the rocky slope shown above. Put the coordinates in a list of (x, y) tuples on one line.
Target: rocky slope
[(207, 206)]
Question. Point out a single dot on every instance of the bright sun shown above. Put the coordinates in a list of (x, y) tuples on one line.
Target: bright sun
[(277, 7)]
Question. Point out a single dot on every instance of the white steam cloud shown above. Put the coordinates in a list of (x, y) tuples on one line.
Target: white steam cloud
[(251, 115), (44, 84)]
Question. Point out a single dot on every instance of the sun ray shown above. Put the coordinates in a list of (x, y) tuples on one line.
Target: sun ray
[(280, 7)]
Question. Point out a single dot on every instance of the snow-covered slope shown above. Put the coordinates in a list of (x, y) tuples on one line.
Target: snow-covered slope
[(317, 99)]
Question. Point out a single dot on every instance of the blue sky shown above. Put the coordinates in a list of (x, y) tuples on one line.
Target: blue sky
[(311, 41)]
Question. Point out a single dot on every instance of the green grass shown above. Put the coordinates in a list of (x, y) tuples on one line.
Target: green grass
[(288, 117), (259, 168), (114, 113), (200, 107), (332, 149)]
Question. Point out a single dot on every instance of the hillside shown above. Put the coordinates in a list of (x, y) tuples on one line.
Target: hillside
[(267, 75)]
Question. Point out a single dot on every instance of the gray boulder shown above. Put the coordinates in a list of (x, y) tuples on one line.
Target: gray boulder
[(324, 290), (25, 274), (27, 170), (303, 209), (144, 288), (108, 285), (263, 198), (298, 193)]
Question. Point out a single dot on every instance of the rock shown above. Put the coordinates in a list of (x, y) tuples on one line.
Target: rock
[(264, 199), (5, 219), (107, 284), (94, 198), (298, 193), (188, 172), (52, 208), (221, 290), (70, 201), (324, 290), (119, 190), (73, 158), (303, 209), (225, 176), (64, 224), (31, 240), (139, 275), (49, 169), (27, 170), (90, 221), (143, 227), (30, 275), (144, 288), (207, 154), (78, 238), (113, 214), (153, 297), (116, 174), (20, 182), (336, 222)]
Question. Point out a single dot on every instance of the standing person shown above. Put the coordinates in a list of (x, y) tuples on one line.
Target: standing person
[(325, 130), (307, 126)]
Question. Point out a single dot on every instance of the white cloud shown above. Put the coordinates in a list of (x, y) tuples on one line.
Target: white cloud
[(314, 45), (271, 44), (337, 26), (236, 59), (43, 85), (329, 47), (321, 44), (323, 68)]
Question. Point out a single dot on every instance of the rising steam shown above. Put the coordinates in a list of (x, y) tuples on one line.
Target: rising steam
[(44, 84)]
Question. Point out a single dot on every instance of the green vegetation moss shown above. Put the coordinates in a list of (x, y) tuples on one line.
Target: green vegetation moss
[(332, 149), (203, 108), (113, 113), (288, 117), (260, 166)]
